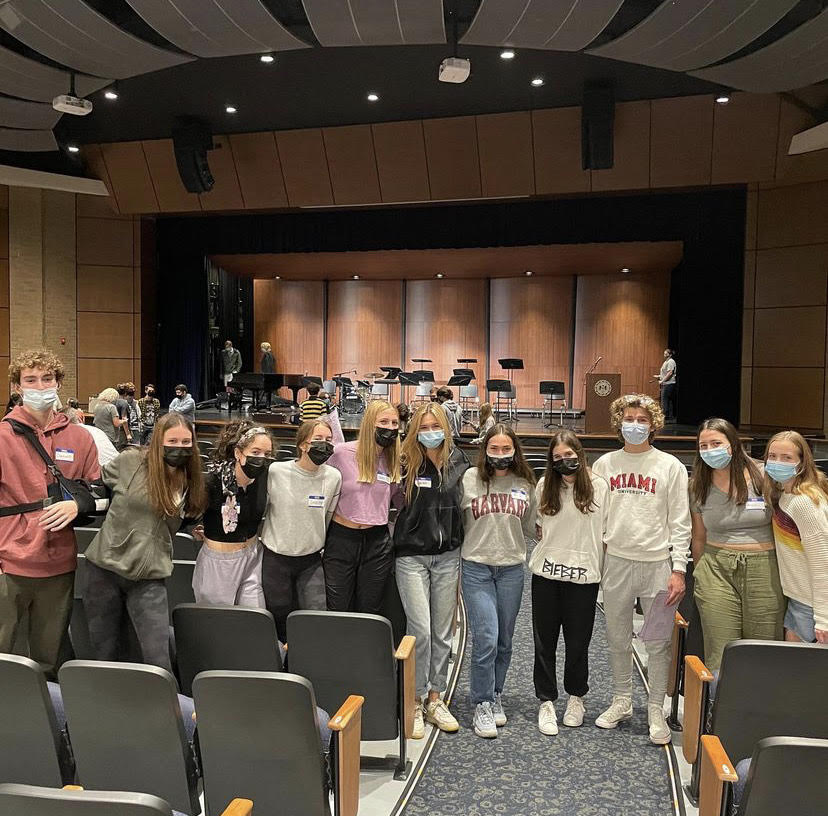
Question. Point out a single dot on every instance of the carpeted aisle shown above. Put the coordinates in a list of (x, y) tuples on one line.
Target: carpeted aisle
[(586, 771)]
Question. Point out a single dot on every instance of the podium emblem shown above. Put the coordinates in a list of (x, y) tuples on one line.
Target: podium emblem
[(602, 388)]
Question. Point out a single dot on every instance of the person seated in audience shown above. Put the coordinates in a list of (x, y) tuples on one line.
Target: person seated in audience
[(105, 416), (153, 490), (798, 492), (358, 554), (150, 407), (301, 497), (183, 403), (313, 407), (499, 512), (38, 551), (737, 588), (445, 397), (486, 418), (228, 567), (14, 400), (648, 538), (427, 536), (566, 570), (106, 450)]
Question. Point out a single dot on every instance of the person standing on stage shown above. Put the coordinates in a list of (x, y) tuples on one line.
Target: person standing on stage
[(358, 552), (566, 573), (667, 381), (268, 366), (648, 540), (231, 361), (427, 536)]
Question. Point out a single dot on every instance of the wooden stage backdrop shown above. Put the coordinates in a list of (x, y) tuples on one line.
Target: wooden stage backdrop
[(557, 324)]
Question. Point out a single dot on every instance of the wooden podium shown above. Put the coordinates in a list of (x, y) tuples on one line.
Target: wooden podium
[(601, 390)]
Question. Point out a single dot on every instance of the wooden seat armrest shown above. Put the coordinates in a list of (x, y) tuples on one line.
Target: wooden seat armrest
[(239, 807), (72, 787), (716, 771), (696, 679), (677, 648), (680, 621), (406, 648), (405, 654), (347, 727)]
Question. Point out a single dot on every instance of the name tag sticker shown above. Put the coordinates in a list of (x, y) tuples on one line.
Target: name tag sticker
[(518, 493), (384, 477), (316, 501), (423, 481), (755, 504), (64, 455)]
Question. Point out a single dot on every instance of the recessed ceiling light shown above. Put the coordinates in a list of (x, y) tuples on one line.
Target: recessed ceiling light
[(723, 99), (266, 58), (111, 93), (229, 109), (625, 270), (507, 54), (355, 277), (439, 275), (373, 97), (537, 82), (528, 273), (73, 148)]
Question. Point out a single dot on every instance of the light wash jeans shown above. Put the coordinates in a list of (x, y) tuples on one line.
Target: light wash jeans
[(492, 596), (428, 591)]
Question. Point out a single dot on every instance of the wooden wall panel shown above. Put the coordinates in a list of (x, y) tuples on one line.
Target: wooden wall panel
[(4, 233), (793, 215), (771, 402), (745, 133), (97, 373), (259, 170), (747, 337), (94, 160), (226, 194), (4, 333), (792, 276), (105, 289), (681, 143), (104, 241), (401, 161), (792, 119), (170, 191), (4, 283), (364, 325), (5, 385), (290, 316), (631, 143), (774, 344), (506, 159), (531, 318), (130, 177), (305, 167), (351, 164), (624, 320), (97, 207), (556, 139), (452, 155), (446, 319), (105, 334)]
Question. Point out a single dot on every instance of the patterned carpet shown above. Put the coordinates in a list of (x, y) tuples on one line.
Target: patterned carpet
[(583, 771)]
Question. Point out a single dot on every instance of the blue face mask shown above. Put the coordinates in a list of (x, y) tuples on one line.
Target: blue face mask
[(780, 471), (634, 433), (717, 458), (431, 439)]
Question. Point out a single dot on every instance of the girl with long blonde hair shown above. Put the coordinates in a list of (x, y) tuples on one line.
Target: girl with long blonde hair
[(798, 491), (427, 539), (358, 552)]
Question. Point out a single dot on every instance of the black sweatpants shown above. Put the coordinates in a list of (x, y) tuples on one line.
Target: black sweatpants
[(357, 565), (291, 582), (557, 604)]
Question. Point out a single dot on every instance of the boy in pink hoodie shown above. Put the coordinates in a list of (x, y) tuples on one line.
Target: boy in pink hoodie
[(38, 550)]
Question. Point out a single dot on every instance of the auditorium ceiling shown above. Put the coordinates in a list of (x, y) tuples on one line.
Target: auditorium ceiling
[(198, 57)]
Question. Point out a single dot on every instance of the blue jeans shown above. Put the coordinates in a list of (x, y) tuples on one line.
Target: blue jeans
[(492, 596)]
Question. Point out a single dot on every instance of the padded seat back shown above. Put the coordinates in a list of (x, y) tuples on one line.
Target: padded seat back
[(258, 733), (84, 536), (185, 547), (30, 740), (787, 775), (28, 800), (228, 638), (180, 585), (344, 653), (125, 724), (769, 689)]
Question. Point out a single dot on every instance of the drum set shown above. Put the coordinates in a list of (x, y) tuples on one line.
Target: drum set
[(354, 396)]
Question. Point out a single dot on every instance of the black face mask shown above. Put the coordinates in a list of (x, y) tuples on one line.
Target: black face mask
[(150, 394), (385, 437), (320, 451), (177, 457), (253, 466), (500, 462), (566, 467)]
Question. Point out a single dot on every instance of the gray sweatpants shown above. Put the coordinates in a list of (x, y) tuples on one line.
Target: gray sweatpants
[(622, 582), (229, 578)]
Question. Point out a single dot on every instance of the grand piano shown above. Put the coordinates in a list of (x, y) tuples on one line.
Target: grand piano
[(257, 384)]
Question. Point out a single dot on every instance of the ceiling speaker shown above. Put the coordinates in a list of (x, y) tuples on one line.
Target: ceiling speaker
[(192, 139), (597, 122)]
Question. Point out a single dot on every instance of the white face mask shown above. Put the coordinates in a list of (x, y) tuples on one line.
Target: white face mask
[(634, 433), (39, 400)]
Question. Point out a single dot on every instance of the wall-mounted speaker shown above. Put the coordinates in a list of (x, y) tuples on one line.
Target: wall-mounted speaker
[(192, 139), (597, 122)]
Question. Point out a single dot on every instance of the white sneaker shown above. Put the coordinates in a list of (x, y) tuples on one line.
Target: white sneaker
[(438, 714), (660, 733), (574, 715), (418, 731), (484, 721), (620, 710), (547, 718), (497, 710)]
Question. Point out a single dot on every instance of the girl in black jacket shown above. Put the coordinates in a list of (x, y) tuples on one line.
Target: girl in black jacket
[(427, 538)]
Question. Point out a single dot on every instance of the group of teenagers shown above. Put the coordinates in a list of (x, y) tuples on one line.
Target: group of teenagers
[(314, 533)]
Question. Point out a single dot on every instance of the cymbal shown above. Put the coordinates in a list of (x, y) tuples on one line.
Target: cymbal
[(375, 374)]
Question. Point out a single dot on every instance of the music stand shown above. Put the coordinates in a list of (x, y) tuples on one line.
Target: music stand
[(467, 359), (420, 360), (391, 372), (499, 387), (407, 379), (309, 379), (510, 364), (552, 390), (424, 375), (459, 380), (343, 383), (464, 371)]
